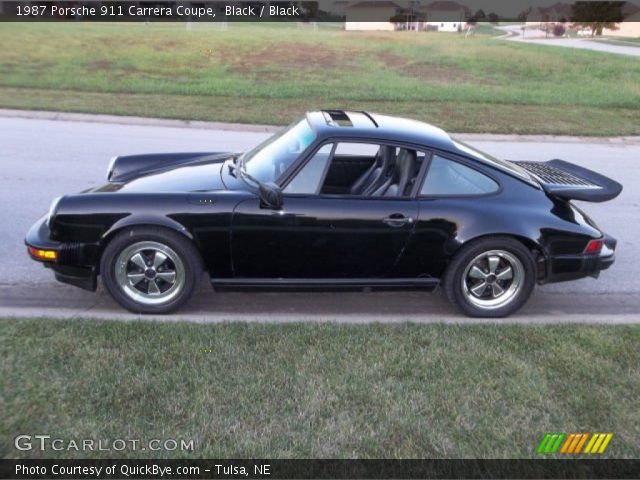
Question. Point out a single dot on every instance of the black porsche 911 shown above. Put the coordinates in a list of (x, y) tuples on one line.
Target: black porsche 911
[(337, 199)]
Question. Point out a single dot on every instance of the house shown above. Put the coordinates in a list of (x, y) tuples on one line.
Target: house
[(535, 17), (558, 12), (630, 27), (371, 15), (339, 7), (445, 16)]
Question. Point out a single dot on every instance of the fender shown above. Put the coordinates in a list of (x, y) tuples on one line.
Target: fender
[(140, 220)]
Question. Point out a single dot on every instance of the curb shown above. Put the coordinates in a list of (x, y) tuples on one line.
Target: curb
[(128, 120), (61, 314), (243, 127)]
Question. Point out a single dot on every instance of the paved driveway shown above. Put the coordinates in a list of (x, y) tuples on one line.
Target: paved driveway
[(538, 37)]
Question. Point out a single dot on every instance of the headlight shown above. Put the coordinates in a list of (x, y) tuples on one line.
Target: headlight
[(52, 210)]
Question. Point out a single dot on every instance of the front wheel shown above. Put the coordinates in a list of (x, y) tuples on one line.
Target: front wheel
[(150, 270), (492, 277)]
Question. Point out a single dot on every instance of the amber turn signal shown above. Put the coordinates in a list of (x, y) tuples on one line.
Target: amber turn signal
[(45, 255)]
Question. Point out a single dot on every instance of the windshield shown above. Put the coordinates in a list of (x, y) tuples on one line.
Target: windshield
[(505, 165), (271, 158)]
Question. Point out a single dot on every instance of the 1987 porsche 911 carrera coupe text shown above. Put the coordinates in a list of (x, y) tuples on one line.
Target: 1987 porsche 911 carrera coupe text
[(337, 199)]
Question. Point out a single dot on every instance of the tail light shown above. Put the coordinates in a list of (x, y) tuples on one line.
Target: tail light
[(594, 246)]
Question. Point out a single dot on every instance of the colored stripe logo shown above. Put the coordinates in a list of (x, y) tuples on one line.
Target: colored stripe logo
[(573, 443)]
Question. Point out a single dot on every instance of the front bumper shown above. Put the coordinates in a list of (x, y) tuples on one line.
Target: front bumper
[(571, 267), (70, 264)]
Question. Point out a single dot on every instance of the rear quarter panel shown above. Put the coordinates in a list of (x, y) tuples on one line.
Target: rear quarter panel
[(519, 210)]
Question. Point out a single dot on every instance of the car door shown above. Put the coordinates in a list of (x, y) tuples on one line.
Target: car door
[(452, 196), (320, 236)]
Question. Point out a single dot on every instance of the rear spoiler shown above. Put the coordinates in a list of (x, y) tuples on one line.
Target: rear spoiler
[(572, 182)]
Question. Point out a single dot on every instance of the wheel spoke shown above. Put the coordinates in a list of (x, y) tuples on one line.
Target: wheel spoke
[(139, 261), (496, 290), (168, 277), (476, 272), (506, 274), (135, 278), (153, 288), (158, 259), (493, 263), (479, 289)]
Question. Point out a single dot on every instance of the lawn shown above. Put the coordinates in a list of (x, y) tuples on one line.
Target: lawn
[(319, 390), (271, 73)]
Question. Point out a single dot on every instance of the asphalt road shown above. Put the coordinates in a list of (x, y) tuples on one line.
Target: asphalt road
[(41, 159)]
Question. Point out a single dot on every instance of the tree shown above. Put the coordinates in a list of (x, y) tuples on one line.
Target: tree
[(597, 16), (493, 18), (310, 9), (479, 15)]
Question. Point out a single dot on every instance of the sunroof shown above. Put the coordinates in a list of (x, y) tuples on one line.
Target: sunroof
[(337, 118), (340, 118)]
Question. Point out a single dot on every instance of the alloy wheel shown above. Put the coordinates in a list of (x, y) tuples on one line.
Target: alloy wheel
[(150, 272), (492, 279)]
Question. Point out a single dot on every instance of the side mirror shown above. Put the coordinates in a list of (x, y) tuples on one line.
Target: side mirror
[(270, 196)]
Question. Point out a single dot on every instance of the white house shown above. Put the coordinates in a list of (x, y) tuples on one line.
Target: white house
[(445, 16), (630, 27)]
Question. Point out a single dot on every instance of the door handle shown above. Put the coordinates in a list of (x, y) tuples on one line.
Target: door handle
[(397, 220)]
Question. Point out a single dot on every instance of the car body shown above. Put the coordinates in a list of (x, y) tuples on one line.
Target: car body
[(337, 199)]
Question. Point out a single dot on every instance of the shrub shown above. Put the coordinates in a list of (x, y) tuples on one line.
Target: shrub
[(559, 30)]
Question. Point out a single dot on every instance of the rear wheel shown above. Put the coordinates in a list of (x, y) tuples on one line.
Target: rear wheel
[(492, 277), (150, 270)]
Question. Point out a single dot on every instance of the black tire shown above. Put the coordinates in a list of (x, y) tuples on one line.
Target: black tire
[(479, 252), (181, 258)]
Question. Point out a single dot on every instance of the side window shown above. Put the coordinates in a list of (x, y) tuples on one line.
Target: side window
[(446, 177), (360, 149), (357, 168), (308, 179)]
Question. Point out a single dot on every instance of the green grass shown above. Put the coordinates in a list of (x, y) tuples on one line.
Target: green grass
[(319, 390), (269, 73)]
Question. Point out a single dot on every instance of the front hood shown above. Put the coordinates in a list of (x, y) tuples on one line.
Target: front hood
[(179, 174), (125, 168), (189, 178)]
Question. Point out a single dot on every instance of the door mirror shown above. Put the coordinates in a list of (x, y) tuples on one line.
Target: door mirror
[(270, 196)]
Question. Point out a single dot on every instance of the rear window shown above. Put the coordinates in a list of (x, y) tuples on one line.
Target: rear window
[(446, 177), (503, 165)]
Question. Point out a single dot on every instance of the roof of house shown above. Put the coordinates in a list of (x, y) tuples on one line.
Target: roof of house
[(373, 4), (445, 6), (559, 8), (630, 9)]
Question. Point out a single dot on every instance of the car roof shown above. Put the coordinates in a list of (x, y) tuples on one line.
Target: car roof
[(352, 124)]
